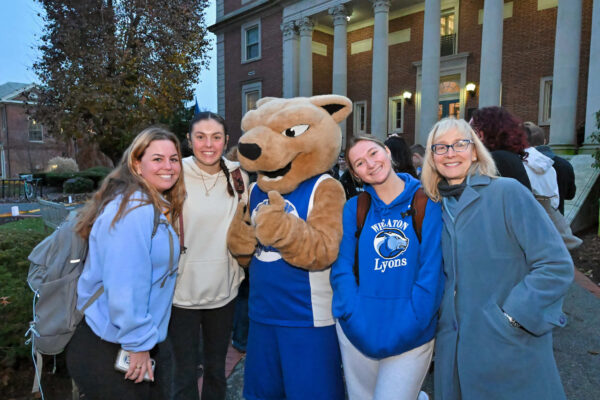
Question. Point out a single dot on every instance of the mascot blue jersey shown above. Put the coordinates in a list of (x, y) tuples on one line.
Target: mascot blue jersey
[(281, 294)]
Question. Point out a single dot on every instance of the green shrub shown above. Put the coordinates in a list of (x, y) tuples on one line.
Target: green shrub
[(97, 174), (17, 239), (78, 184), (57, 180)]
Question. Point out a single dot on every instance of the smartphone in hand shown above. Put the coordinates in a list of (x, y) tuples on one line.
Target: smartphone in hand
[(122, 363)]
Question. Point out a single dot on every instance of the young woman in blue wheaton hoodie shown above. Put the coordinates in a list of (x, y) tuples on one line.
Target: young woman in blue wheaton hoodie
[(136, 269), (386, 324)]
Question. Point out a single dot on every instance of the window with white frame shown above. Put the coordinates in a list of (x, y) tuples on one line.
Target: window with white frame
[(251, 93), (396, 115), (35, 131), (360, 117), (251, 41), (545, 104)]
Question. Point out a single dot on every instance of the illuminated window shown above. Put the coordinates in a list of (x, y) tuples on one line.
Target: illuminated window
[(35, 131), (396, 115), (251, 93)]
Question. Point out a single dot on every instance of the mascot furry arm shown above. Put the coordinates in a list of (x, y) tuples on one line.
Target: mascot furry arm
[(288, 141)]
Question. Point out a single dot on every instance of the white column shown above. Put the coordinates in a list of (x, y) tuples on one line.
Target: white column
[(379, 79), (305, 26), (290, 59), (566, 73), (430, 70), (593, 88), (340, 57), (490, 75)]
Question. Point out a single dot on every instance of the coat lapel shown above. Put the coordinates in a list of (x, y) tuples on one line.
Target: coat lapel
[(470, 195)]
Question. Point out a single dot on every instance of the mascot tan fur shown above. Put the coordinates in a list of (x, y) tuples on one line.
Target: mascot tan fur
[(290, 233)]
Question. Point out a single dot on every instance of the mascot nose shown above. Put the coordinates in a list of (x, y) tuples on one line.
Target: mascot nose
[(249, 150)]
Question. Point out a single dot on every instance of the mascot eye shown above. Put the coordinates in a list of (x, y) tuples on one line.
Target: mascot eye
[(294, 131)]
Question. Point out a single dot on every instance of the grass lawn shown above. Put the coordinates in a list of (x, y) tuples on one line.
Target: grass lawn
[(17, 239)]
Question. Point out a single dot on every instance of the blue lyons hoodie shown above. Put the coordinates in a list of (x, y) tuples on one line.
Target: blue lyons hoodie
[(401, 280)]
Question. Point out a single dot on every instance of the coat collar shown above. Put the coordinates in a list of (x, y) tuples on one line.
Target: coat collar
[(470, 194)]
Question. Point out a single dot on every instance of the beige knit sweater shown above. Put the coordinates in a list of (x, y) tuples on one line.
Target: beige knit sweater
[(208, 276)]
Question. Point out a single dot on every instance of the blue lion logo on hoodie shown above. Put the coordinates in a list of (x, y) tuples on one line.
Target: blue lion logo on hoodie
[(389, 243)]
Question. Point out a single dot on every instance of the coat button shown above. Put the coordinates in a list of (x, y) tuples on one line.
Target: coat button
[(562, 319), (455, 325)]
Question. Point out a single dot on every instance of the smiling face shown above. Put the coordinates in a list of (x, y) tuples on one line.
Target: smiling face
[(159, 166), (370, 162), (453, 165), (208, 141)]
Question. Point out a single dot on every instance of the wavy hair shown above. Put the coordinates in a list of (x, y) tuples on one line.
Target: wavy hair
[(430, 176), (501, 130), (125, 181)]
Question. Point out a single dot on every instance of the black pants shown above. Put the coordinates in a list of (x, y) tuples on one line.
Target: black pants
[(91, 360), (184, 332)]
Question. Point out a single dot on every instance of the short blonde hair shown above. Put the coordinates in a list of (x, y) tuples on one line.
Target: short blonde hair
[(484, 164)]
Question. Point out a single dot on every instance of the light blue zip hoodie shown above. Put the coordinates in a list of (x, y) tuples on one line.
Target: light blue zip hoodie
[(394, 309), (132, 265)]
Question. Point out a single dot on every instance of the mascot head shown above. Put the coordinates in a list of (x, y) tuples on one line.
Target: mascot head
[(287, 141)]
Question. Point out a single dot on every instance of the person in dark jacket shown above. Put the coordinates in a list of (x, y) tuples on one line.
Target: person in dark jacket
[(401, 155), (565, 175), (504, 136), (507, 271)]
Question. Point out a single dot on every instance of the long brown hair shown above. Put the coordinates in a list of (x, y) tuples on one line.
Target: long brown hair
[(125, 181)]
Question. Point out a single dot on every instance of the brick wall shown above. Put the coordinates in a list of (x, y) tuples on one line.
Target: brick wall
[(267, 70), (23, 156), (322, 65)]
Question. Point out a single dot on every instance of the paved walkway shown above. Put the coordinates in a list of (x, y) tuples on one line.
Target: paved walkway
[(576, 349)]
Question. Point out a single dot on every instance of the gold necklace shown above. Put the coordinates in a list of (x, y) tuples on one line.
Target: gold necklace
[(213, 185)]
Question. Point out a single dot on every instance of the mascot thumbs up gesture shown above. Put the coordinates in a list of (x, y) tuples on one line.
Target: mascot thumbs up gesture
[(290, 232)]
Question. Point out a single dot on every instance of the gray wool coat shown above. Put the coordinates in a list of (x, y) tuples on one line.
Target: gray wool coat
[(501, 254)]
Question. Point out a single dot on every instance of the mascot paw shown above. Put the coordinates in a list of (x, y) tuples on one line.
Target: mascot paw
[(241, 239), (272, 222)]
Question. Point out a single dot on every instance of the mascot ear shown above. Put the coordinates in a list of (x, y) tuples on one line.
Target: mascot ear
[(264, 100), (339, 107)]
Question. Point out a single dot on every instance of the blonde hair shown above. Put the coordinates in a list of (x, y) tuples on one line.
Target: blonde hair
[(125, 181), (484, 164)]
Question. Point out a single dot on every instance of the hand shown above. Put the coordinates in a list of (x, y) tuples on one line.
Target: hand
[(139, 364), (241, 239), (272, 221)]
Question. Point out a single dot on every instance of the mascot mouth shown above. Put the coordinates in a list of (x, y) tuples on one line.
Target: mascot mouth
[(277, 173)]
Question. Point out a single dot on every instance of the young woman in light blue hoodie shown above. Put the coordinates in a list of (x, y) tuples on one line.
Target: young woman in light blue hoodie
[(387, 315), (134, 261)]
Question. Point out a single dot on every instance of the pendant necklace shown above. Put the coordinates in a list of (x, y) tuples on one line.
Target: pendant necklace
[(213, 185)]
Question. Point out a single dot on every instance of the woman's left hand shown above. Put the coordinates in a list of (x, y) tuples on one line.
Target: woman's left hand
[(139, 364)]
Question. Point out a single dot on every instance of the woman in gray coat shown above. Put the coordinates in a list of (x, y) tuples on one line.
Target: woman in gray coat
[(507, 271)]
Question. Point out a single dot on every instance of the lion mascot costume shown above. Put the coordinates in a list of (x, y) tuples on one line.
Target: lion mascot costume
[(289, 233)]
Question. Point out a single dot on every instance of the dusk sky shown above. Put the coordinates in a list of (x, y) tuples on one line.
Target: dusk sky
[(21, 28)]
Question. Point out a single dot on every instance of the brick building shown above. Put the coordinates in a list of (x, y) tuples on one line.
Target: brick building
[(25, 145), (509, 53)]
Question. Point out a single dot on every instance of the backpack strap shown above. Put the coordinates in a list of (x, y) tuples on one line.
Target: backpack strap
[(238, 182), (92, 299), (182, 248), (418, 205), (362, 208)]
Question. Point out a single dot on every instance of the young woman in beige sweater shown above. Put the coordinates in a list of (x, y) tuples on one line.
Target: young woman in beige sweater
[(209, 276)]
